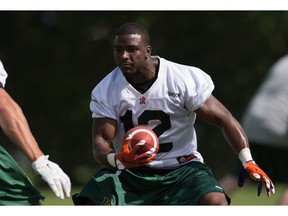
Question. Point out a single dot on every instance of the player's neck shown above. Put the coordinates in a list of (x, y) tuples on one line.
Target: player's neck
[(151, 68), (148, 72), (143, 86)]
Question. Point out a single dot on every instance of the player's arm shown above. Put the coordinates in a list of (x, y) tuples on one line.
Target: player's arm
[(104, 130), (16, 128), (215, 113), (103, 133)]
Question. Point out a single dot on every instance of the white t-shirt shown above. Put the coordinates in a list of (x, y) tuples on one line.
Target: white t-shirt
[(266, 118), (167, 107), (3, 74)]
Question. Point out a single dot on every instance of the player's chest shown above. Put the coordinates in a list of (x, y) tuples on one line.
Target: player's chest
[(161, 100)]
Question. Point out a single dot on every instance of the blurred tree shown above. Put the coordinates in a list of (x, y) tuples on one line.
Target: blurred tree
[(55, 58)]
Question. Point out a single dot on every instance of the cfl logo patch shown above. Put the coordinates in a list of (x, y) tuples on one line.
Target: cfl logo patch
[(142, 100)]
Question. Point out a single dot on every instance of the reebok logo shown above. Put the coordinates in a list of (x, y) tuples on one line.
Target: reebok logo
[(173, 94)]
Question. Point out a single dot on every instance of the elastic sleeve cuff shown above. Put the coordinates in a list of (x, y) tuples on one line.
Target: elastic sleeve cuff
[(111, 159), (245, 155)]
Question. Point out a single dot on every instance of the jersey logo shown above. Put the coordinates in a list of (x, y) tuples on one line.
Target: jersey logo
[(184, 159), (142, 100), (106, 201), (173, 94)]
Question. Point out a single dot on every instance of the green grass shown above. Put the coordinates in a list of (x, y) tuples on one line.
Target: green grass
[(51, 199), (248, 195), (243, 196)]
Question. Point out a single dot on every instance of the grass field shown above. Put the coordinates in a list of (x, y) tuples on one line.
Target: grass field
[(244, 196), (248, 196)]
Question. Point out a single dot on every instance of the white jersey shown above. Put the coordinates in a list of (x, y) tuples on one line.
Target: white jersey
[(167, 107), (3, 74), (266, 118)]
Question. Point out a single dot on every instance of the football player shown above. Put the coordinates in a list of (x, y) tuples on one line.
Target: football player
[(167, 96)]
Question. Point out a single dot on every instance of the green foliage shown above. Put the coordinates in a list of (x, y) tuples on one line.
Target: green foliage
[(55, 58)]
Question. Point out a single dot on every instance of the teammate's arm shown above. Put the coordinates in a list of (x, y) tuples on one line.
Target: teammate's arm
[(15, 126)]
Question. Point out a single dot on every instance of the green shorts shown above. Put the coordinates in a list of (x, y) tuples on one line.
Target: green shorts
[(183, 186), (15, 187)]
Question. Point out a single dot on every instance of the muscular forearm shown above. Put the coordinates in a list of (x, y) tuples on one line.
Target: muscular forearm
[(102, 138), (235, 135), (215, 113), (15, 126), (100, 151)]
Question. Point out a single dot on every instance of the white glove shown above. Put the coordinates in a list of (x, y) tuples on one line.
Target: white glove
[(50, 172)]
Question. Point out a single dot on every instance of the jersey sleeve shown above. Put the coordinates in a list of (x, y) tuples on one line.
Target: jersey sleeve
[(99, 105), (3, 75), (103, 98), (199, 88)]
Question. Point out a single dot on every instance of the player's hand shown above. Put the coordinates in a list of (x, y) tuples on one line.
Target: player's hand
[(127, 158), (50, 172), (252, 170)]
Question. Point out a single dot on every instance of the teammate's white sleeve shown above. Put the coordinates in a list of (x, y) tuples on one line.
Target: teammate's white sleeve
[(3, 74)]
